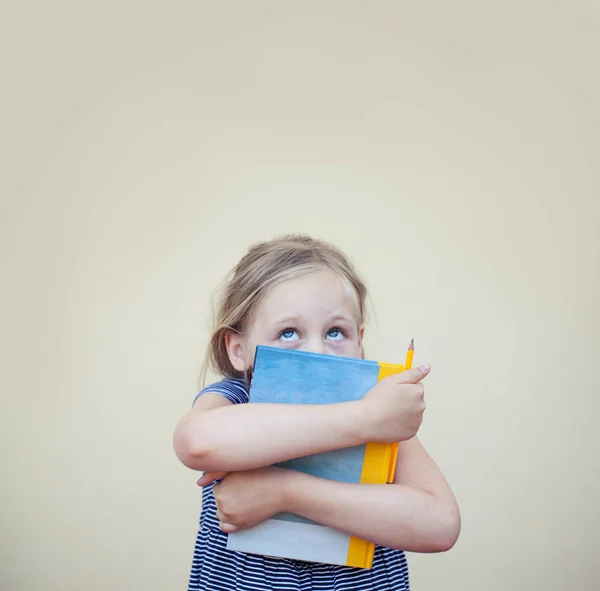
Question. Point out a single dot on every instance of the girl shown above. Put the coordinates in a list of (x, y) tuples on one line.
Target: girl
[(300, 293)]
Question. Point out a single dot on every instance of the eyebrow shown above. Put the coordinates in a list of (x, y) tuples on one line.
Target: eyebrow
[(287, 318), (343, 317)]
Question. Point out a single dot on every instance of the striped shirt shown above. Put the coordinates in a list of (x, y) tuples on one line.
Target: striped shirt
[(214, 568)]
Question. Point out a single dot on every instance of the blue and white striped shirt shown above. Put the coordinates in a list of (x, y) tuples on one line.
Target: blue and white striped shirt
[(214, 568)]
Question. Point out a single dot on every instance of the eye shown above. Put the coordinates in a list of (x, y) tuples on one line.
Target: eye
[(335, 334), (289, 334)]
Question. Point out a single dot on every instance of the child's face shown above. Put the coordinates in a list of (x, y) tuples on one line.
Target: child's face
[(311, 313)]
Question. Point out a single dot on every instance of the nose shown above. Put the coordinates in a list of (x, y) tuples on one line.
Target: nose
[(315, 345)]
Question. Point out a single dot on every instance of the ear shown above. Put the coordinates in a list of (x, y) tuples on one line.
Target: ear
[(236, 350), (361, 334)]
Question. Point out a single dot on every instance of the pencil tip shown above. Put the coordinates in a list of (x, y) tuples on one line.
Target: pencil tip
[(411, 347)]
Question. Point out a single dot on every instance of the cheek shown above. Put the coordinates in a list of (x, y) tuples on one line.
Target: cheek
[(249, 352), (346, 348), (251, 355)]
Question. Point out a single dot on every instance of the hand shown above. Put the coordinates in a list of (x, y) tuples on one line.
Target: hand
[(394, 408), (247, 498)]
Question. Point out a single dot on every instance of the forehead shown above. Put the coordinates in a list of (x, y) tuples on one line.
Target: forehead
[(319, 292)]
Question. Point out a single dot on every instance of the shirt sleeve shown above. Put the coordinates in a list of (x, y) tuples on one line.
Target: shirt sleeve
[(234, 390)]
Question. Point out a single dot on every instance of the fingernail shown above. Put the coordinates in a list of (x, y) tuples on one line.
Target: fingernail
[(424, 368)]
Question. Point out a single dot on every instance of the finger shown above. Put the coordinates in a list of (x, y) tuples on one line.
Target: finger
[(228, 528), (209, 477), (412, 376)]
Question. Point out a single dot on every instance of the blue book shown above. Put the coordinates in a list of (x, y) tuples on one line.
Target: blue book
[(298, 377)]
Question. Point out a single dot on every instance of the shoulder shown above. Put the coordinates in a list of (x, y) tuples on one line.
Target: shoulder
[(234, 389)]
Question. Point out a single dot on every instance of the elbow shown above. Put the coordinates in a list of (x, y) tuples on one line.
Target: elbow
[(437, 536), (444, 542), (189, 457), (447, 532), (191, 450)]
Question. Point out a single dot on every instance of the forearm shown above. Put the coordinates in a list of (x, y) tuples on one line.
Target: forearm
[(390, 515), (241, 437)]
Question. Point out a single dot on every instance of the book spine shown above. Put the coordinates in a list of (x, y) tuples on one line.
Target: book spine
[(379, 467)]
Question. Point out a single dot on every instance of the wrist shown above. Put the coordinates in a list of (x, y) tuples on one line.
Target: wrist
[(358, 425), (292, 483)]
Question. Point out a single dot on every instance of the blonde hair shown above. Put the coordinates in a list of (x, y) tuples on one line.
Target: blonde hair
[(265, 265)]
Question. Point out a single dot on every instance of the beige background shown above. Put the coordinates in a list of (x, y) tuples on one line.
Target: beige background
[(451, 148)]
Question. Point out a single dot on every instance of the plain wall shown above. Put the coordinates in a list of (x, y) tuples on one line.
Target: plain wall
[(452, 149)]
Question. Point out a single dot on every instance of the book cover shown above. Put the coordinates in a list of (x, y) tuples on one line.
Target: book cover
[(299, 377)]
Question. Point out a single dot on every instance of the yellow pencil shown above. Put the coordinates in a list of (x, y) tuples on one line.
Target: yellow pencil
[(407, 365), (409, 355)]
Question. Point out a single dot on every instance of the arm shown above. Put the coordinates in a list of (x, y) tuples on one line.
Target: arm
[(219, 436), (418, 513)]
